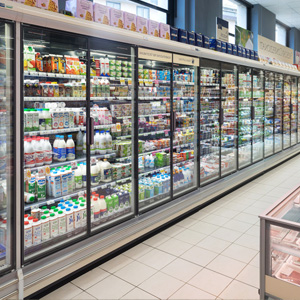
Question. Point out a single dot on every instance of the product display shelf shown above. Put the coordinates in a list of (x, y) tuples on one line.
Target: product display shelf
[(144, 116), (50, 99), (52, 75)]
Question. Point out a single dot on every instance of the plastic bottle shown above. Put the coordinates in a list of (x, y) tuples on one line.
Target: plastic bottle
[(62, 155), (79, 143), (70, 148), (39, 152), (103, 206), (83, 170), (97, 142), (108, 142), (69, 219), (47, 151), (106, 169), (97, 208), (102, 66), (42, 122), (47, 117), (29, 154), (45, 228), (78, 177), (55, 148), (84, 143), (102, 143), (27, 234), (36, 232), (106, 62), (61, 222), (94, 175)]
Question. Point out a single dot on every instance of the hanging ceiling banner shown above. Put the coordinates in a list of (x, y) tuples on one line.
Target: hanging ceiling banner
[(271, 49)]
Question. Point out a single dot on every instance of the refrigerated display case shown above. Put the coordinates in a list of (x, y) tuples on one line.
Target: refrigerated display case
[(294, 111), (278, 121), (7, 185), (280, 249), (258, 95), (210, 93), (286, 110), (229, 119), (269, 114), (245, 115), (298, 110)]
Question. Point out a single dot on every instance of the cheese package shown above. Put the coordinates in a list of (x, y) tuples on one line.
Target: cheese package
[(164, 31), (116, 18), (153, 28), (141, 25), (51, 5), (129, 21), (101, 14), (82, 9)]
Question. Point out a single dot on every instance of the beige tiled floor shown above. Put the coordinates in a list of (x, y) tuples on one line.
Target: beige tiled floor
[(213, 254)]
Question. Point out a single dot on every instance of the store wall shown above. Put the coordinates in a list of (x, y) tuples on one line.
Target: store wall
[(263, 22), (198, 15), (294, 40)]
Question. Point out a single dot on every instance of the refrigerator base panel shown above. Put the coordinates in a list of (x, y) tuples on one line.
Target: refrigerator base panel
[(44, 272)]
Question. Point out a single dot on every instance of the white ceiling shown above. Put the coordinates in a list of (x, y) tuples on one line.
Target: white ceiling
[(286, 11)]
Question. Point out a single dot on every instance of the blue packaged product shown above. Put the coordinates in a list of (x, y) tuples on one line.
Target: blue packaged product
[(243, 52), (229, 48), (215, 44), (234, 49), (174, 33), (247, 53), (205, 40), (199, 40), (182, 36), (223, 47), (239, 51), (252, 54), (191, 38), (255, 55)]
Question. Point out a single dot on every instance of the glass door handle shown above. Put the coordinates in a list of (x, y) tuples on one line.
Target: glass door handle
[(221, 116), (173, 127), (252, 112), (91, 131), (291, 108)]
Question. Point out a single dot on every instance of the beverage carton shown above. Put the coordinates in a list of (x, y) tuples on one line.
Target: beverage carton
[(142, 25), (182, 36), (191, 37), (116, 18), (51, 5), (223, 47), (205, 41), (174, 33), (247, 53), (234, 49), (153, 27), (199, 40), (164, 31), (129, 21), (82, 9), (101, 14), (229, 48)]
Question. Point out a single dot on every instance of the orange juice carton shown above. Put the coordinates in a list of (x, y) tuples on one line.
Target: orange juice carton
[(82, 9), (153, 27), (51, 5), (101, 14), (129, 21), (142, 25), (116, 18), (164, 31)]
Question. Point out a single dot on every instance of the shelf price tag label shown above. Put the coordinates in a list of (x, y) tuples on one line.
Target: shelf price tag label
[(80, 194), (74, 164), (122, 81), (32, 207), (27, 174), (156, 82), (129, 81), (49, 202), (93, 160), (141, 82), (42, 171)]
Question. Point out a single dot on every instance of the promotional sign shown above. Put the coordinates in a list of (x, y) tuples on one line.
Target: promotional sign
[(222, 30), (155, 55), (271, 49), (297, 57), (243, 37), (185, 60)]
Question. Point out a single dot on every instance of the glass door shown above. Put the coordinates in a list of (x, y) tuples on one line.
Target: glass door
[(229, 119), (278, 112), (209, 121), (294, 111), (6, 145), (245, 118), (111, 114), (269, 114), (258, 115), (185, 95), (154, 127), (298, 110), (287, 111), (55, 166)]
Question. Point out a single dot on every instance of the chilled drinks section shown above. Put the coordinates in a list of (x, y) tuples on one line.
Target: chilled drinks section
[(77, 110)]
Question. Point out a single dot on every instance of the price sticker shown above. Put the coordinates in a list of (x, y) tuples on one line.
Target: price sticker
[(66, 198), (104, 186), (156, 82), (122, 81), (129, 81), (34, 207), (93, 161), (49, 202), (81, 193), (27, 174), (141, 82), (42, 171)]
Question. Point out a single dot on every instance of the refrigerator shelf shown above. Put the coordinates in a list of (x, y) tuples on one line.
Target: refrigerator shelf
[(110, 98), (54, 99), (144, 116), (184, 83), (52, 75), (143, 134), (153, 98)]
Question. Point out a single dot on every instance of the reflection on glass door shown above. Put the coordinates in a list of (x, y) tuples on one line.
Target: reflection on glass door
[(245, 117), (298, 110), (269, 114), (185, 79), (229, 119), (294, 113), (287, 112), (258, 117), (278, 112), (209, 121), (111, 112), (6, 144), (54, 139), (154, 106)]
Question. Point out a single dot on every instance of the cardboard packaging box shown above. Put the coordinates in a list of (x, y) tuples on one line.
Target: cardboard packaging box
[(255, 55), (243, 52), (247, 53), (116, 18), (223, 47), (205, 41), (153, 27), (82, 9), (174, 33), (142, 25), (215, 44), (234, 49), (199, 40), (229, 48), (51, 5), (239, 51), (129, 21), (164, 31), (252, 56), (182, 36), (101, 14), (191, 38)]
